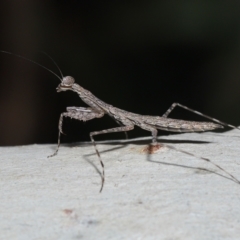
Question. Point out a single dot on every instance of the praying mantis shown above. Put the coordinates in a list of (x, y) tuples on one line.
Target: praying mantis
[(127, 120)]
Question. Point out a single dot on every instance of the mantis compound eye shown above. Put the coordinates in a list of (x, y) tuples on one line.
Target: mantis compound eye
[(68, 81)]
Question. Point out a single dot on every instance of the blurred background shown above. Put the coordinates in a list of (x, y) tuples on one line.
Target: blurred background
[(140, 56)]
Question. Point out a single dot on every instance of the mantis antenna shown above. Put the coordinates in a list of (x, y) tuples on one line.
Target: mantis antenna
[(27, 59)]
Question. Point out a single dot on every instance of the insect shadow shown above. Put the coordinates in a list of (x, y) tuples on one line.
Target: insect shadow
[(164, 142)]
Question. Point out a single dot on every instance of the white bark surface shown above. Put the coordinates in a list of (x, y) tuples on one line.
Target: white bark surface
[(169, 197)]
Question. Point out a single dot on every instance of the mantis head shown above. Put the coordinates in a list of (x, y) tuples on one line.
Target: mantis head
[(66, 84)]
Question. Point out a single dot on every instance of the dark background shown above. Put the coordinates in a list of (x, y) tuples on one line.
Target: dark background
[(140, 56)]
